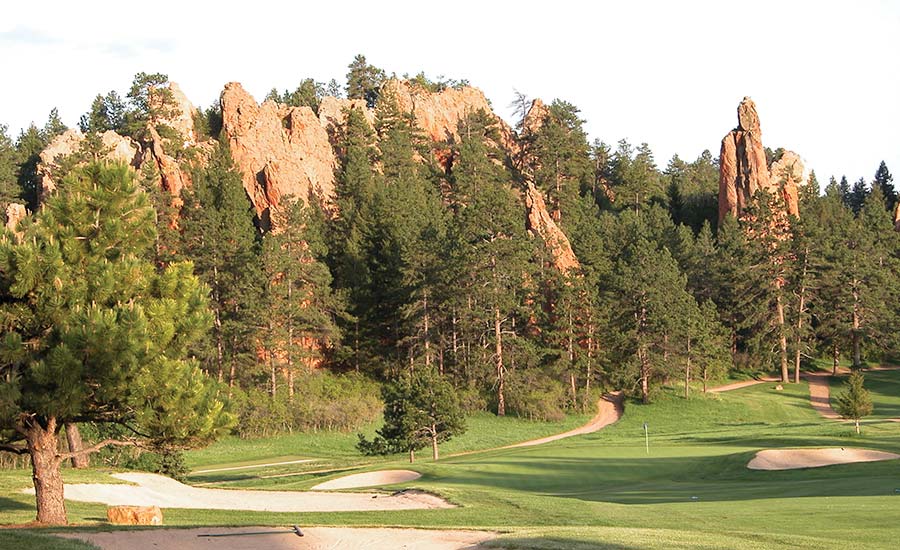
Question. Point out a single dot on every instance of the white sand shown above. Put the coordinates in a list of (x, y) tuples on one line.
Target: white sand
[(332, 538), (368, 479), (157, 490), (790, 459)]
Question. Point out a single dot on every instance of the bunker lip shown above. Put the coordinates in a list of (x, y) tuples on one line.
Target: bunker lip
[(153, 489), (792, 459), (368, 479), (337, 538)]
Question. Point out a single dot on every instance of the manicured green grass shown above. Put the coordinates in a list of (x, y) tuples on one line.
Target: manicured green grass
[(337, 451), (603, 490)]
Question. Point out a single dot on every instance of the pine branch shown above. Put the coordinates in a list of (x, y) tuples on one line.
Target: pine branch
[(97, 447), (15, 449)]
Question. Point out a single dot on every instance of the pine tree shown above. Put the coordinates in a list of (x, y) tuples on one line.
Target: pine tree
[(29, 145), (420, 408), (10, 191), (91, 328), (350, 233), (855, 402), (220, 238), (562, 166), (489, 255), (364, 81), (858, 195), (302, 310), (885, 181), (648, 295)]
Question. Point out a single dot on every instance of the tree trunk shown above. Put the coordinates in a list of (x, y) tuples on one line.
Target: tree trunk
[(857, 426), (800, 311), (782, 340), (498, 350), (645, 375), (73, 438), (857, 355), (588, 367), (427, 336), (48, 485), (834, 359), (434, 442), (412, 456), (687, 370)]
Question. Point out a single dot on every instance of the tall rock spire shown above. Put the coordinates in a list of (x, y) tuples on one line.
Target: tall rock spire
[(743, 169)]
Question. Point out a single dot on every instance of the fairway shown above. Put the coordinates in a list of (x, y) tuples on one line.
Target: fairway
[(604, 490)]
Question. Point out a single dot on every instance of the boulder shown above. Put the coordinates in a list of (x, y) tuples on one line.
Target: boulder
[(280, 150), (134, 515), (743, 169)]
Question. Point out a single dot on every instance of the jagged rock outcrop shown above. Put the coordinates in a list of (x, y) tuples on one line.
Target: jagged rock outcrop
[(15, 213), (438, 113), (789, 169), (743, 169), (182, 119), (534, 118), (172, 178), (115, 147), (280, 150), (540, 222), (331, 111)]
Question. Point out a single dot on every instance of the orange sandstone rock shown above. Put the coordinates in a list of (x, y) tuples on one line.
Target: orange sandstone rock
[(134, 515)]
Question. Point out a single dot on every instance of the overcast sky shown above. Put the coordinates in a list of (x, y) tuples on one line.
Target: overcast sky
[(825, 75)]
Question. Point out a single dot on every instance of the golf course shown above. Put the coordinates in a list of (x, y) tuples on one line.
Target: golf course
[(686, 475)]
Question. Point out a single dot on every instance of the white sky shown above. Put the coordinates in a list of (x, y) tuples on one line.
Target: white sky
[(825, 75)]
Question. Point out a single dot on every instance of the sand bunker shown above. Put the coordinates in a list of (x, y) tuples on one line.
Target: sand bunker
[(368, 479), (790, 459), (333, 538), (152, 489)]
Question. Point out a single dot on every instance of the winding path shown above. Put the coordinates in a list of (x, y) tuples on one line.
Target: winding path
[(609, 411)]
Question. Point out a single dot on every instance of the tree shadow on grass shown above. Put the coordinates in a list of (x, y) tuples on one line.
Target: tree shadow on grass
[(655, 480), (11, 505)]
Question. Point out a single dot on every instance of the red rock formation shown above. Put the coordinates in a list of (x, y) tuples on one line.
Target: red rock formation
[(134, 515), (15, 213), (789, 173), (331, 111), (897, 217), (118, 148), (438, 113), (540, 222), (743, 169), (172, 178), (280, 150)]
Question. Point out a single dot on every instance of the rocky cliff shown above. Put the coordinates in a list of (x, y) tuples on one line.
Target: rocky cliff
[(438, 113), (172, 177), (743, 169), (280, 150), (69, 143), (540, 222)]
